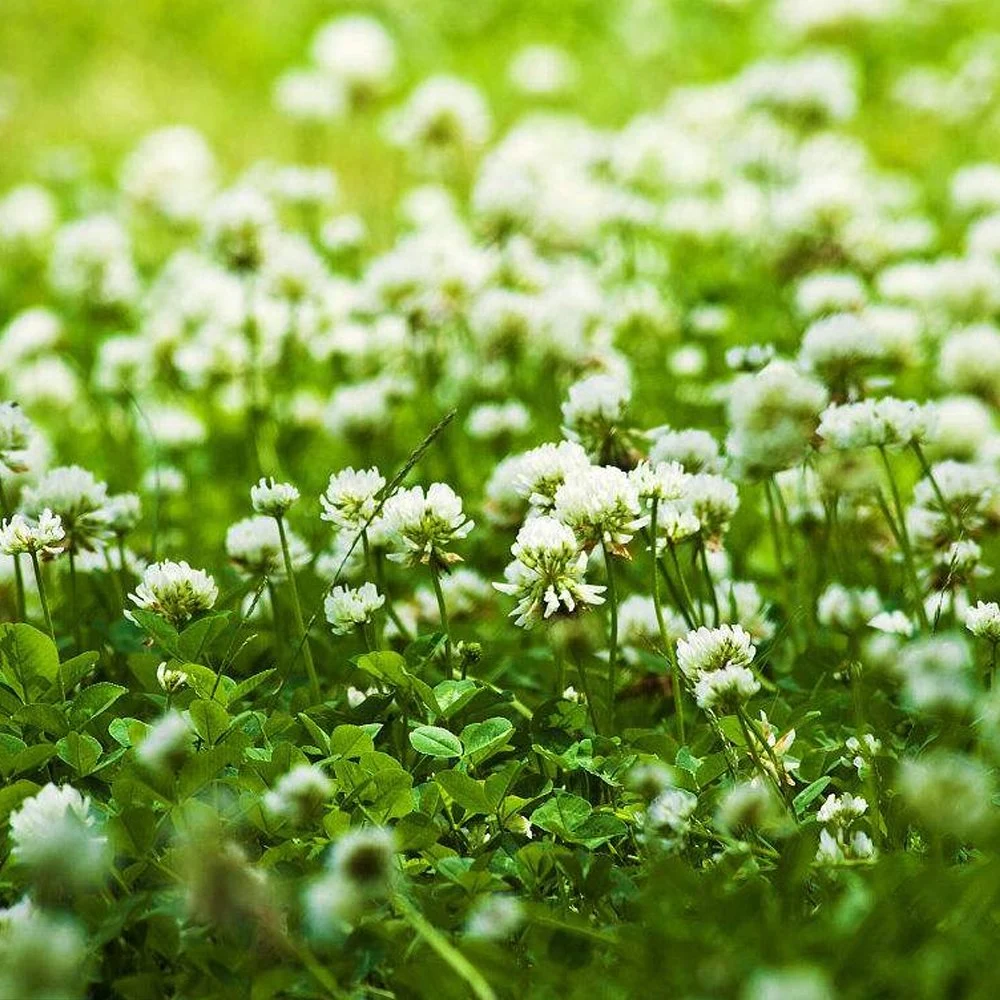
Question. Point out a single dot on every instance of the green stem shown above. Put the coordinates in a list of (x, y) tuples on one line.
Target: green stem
[(443, 613), (708, 581), (560, 664), (370, 563), (227, 659), (689, 600), (122, 570), (74, 606), (40, 584), (668, 646), (18, 575), (445, 950), (585, 686), (613, 637), (297, 614), (745, 722), (925, 466), (904, 538)]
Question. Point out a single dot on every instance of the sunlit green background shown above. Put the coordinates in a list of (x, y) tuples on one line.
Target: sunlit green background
[(95, 75)]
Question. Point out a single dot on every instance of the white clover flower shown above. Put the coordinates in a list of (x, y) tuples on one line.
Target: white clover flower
[(41, 955), (740, 601), (444, 114), (30, 333), (547, 574), (351, 497), (596, 406), (726, 688), (880, 423), (663, 482), (694, 450), (29, 214), (309, 96), (713, 500), (936, 674), (15, 437), (540, 472), (773, 415), (238, 225), (829, 292), (976, 188), (542, 71), (983, 621), (299, 793), (420, 527), (357, 51), (121, 513), (496, 420), (170, 680), (892, 623), (494, 918), (601, 505), (668, 817), (707, 649), (171, 172), (847, 610), (175, 591), (365, 858), (749, 804), (55, 833), (970, 360), (272, 498), (837, 347), (91, 264), (254, 546), (637, 624), (346, 608), (949, 793), (842, 810), (75, 496), (167, 743), (20, 535)]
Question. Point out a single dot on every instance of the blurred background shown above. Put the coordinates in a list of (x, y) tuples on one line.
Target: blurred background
[(81, 81)]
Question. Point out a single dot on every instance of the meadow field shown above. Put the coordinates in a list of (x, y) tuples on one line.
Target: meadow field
[(499, 499)]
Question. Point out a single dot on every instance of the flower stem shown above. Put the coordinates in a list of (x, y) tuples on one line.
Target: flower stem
[(956, 532), (40, 584), (613, 637), (745, 723), (903, 537), (443, 613), (708, 581), (74, 598), (693, 617), (18, 576), (668, 646), (445, 950), (297, 614)]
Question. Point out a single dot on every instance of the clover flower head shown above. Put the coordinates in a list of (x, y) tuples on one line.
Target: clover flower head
[(19, 534), (348, 607), (546, 576), (272, 498), (15, 437), (175, 591), (983, 620), (55, 833), (299, 793), (601, 505), (421, 527), (707, 649), (351, 497)]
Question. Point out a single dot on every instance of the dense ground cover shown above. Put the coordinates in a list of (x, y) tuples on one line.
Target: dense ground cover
[(502, 501)]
